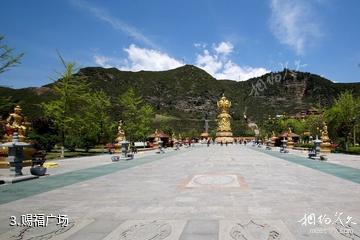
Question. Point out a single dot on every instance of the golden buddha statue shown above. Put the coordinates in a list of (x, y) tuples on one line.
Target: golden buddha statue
[(16, 124), (224, 133), (173, 137), (156, 138), (121, 133), (325, 146), (273, 139), (290, 142)]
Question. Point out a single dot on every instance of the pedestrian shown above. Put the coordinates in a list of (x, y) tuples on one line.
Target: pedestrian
[(226, 143)]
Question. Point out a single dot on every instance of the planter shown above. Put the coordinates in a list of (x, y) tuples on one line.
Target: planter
[(38, 171)]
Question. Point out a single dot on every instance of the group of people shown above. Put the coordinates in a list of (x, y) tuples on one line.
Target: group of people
[(111, 148), (209, 141)]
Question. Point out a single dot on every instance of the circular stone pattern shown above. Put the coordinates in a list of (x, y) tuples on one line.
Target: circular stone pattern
[(213, 180), (147, 231)]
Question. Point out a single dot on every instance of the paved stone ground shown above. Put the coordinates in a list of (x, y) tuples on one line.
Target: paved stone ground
[(224, 193)]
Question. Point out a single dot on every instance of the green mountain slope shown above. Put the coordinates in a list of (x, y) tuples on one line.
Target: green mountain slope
[(190, 93)]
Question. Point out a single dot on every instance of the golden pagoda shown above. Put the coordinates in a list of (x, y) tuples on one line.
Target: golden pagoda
[(223, 131)]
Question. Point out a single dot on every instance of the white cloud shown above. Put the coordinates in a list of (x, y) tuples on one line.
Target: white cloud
[(140, 59), (215, 62), (292, 22), (224, 48), (102, 61), (221, 67), (241, 73), (210, 63), (114, 22), (149, 59)]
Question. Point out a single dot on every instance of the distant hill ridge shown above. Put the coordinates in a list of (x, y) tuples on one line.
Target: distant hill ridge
[(189, 92)]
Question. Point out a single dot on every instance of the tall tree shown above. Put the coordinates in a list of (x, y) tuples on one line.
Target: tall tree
[(137, 116), (97, 116), (7, 57), (343, 116), (65, 111)]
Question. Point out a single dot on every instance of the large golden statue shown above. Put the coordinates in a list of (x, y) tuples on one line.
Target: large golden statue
[(16, 124), (223, 131)]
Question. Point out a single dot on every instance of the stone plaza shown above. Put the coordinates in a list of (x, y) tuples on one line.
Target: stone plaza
[(233, 192)]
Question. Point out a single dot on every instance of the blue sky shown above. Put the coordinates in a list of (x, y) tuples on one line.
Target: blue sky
[(230, 39)]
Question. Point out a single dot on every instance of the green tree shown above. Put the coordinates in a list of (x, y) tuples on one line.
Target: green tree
[(43, 134), (97, 117), (343, 116), (137, 116), (6, 104), (66, 110), (314, 124), (7, 57)]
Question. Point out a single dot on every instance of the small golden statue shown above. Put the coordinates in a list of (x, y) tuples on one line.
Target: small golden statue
[(16, 124), (157, 136), (273, 139), (224, 133), (173, 137), (121, 133), (290, 142), (325, 146)]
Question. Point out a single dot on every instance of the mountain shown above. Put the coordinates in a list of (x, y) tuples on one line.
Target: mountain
[(190, 93)]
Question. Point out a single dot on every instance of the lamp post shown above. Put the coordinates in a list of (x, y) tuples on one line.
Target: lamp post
[(283, 146), (124, 148), (160, 143), (317, 143)]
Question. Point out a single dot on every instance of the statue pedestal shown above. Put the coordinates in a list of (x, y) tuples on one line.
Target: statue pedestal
[(224, 137), (15, 155), (204, 135), (325, 147), (290, 144), (28, 152)]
